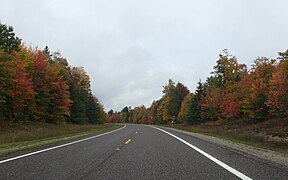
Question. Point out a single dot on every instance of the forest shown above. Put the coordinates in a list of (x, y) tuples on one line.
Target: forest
[(40, 86), (233, 92)]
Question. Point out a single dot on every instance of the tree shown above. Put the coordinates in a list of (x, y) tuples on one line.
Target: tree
[(277, 96), (39, 85), (185, 111), (52, 96), (115, 117), (60, 102), (194, 108), (152, 112), (221, 93), (95, 112), (139, 115), (111, 112), (42, 84), (211, 100), (182, 90), (230, 107), (226, 70), (5, 80), (8, 41), (85, 107), (80, 92), (125, 109), (125, 114), (160, 112), (171, 102), (262, 71), (18, 94), (48, 55), (62, 81)]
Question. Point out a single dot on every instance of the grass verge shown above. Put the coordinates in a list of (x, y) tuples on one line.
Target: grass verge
[(271, 135), (19, 137)]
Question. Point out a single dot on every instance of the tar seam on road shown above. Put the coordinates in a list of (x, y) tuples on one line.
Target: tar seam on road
[(55, 147), (220, 163)]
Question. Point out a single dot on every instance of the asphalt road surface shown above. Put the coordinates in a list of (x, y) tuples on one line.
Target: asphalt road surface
[(140, 152)]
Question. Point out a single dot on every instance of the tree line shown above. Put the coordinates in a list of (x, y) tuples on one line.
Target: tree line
[(232, 92), (40, 86)]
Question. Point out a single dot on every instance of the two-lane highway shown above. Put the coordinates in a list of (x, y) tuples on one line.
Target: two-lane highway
[(140, 152)]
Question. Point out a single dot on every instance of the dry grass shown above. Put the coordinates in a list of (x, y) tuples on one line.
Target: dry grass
[(11, 132), (15, 137)]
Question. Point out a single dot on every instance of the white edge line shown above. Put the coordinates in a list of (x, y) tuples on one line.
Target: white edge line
[(220, 163), (62, 145)]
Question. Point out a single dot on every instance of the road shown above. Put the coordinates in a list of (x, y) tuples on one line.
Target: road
[(140, 152)]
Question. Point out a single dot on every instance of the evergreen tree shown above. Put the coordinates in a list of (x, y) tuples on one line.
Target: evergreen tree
[(194, 108), (8, 41)]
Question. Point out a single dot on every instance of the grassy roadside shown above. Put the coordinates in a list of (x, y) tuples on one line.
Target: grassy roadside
[(271, 135), (18, 137)]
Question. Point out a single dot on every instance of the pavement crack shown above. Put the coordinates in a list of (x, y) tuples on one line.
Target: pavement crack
[(116, 150)]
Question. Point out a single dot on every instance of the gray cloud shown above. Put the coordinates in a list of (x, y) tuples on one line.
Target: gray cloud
[(131, 48)]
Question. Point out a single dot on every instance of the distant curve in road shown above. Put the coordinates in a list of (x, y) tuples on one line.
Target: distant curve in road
[(140, 152)]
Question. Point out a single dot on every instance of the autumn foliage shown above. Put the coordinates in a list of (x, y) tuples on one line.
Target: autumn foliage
[(232, 92), (39, 86)]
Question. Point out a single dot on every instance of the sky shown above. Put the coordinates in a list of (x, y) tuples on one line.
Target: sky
[(130, 48)]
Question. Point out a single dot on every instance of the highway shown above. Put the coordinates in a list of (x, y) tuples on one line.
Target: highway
[(139, 152)]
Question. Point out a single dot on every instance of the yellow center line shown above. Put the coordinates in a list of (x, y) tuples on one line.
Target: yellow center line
[(128, 141)]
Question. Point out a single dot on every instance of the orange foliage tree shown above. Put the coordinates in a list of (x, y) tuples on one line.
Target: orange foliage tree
[(278, 90)]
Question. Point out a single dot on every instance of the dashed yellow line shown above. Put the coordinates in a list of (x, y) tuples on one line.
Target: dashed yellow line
[(128, 141)]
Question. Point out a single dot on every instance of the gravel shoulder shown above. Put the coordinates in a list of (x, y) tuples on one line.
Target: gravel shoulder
[(276, 157)]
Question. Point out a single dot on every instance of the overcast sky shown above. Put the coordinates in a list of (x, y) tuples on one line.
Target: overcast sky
[(130, 48)]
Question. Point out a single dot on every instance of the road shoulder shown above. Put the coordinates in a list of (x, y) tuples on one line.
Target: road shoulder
[(275, 157)]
